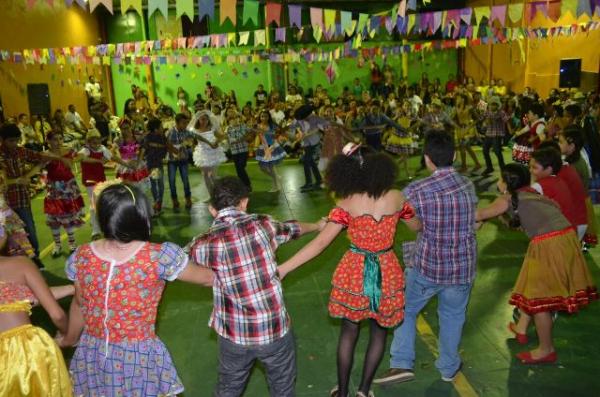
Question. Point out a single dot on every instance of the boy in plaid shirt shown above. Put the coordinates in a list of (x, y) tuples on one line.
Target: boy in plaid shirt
[(249, 314)]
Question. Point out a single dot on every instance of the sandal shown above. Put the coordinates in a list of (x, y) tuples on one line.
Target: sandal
[(334, 392)]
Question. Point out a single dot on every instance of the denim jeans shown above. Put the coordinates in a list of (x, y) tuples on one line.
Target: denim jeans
[(310, 165), (182, 166), (496, 143), (240, 160), (27, 217), (452, 308), (158, 186), (236, 362)]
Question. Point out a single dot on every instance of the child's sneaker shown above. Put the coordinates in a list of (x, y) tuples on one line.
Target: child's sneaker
[(56, 251), (72, 248)]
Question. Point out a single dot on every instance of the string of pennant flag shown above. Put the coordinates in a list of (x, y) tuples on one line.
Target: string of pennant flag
[(212, 49)]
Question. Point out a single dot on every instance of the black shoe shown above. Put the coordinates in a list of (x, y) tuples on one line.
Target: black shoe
[(306, 188), (487, 171), (317, 186)]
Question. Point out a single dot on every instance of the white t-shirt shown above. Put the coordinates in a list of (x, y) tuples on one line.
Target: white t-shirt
[(93, 90), (74, 119), (293, 98), (278, 116)]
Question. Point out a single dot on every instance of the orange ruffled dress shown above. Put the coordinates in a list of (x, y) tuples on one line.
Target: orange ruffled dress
[(369, 281)]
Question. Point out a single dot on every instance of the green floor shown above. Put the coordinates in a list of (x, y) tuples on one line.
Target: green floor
[(489, 366)]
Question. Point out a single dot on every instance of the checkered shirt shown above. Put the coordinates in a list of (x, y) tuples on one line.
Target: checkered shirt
[(237, 138), (446, 249), (496, 123), (248, 299), (13, 163)]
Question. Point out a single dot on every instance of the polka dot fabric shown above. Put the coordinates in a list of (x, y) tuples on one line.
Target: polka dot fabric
[(347, 299)]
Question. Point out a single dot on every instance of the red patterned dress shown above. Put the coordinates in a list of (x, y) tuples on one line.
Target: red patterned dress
[(369, 281), (63, 204)]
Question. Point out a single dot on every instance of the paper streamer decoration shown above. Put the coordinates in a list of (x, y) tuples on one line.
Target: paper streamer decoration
[(568, 6), (244, 38), (481, 12), (295, 15), (273, 13), (205, 8), (466, 14), (412, 5), (135, 4), (584, 8), (347, 23), (185, 7), (515, 12), (259, 37), (160, 5), (316, 18), (402, 8), (329, 16), (250, 11), (80, 3), (108, 4), (499, 13), (280, 34), (228, 10)]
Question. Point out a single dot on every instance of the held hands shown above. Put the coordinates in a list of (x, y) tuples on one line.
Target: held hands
[(321, 224)]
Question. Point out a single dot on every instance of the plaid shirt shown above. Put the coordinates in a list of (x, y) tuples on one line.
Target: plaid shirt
[(237, 138), (13, 163), (496, 123), (177, 139), (446, 249), (248, 299)]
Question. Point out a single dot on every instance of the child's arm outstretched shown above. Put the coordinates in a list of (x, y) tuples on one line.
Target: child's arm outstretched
[(312, 249), (76, 321)]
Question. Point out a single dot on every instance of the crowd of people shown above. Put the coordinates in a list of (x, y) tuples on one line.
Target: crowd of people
[(353, 146)]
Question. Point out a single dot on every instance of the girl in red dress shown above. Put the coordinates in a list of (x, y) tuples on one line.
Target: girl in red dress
[(63, 204), (368, 283)]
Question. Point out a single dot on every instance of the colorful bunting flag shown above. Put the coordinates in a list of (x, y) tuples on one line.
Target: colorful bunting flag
[(273, 13), (481, 12), (515, 12), (280, 34), (228, 10), (260, 37), (583, 7), (295, 15), (205, 8), (80, 3), (498, 13), (108, 4), (402, 8), (135, 4), (412, 5), (466, 14), (316, 18), (329, 16), (250, 11), (184, 7), (160, 5), (568, 6)]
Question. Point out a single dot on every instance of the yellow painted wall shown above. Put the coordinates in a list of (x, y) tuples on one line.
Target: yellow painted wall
[(43, 27), (539, 67)]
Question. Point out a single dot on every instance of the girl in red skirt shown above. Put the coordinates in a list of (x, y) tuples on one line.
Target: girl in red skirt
[(63, 204), (368, 283), (554, 275)]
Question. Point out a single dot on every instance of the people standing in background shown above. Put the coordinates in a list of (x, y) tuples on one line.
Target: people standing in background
[(14, 161), (63, 204), (182, 99), (495, 122), (260, 96), (268, 152), (374, 124), (179, 160), (155, 150), (238, 135), (31, 139), (93, 90), (74, 121)]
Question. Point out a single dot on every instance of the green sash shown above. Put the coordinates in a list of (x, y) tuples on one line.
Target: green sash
[(371, 275)]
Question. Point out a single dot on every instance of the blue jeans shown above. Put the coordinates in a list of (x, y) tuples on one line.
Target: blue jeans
[(452, 308), (27, 218), (182, 166), (158, 186)]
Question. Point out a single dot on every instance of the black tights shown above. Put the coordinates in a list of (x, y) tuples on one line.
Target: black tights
[(345, 354)]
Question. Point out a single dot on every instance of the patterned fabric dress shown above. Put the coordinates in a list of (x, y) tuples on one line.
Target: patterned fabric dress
[(277, 152), (400, 142), (119, 353), (129, 152), (63, 204), (369, 281)]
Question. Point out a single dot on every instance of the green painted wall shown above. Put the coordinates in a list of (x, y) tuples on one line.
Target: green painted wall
[(245, 78)]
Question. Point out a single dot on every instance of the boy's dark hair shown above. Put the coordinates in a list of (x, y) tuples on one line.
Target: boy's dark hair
[(537, 109), (548, 157), (573, 110), (228, 191), (364, 171), (439, 147), (9, 131), (573, 135), (124, 213), (154, 124), (516, 176), (181, 116)]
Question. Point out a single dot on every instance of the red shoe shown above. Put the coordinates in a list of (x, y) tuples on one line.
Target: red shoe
[(521, 338), (525, 358)]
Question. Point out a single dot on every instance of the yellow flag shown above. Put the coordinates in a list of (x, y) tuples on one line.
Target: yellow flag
[(135, 4), (515, 12), (481, 12)]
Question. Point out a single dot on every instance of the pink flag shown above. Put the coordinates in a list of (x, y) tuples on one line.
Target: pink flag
[(499, 13), (316, 18), (273, 13), (402, 8)]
